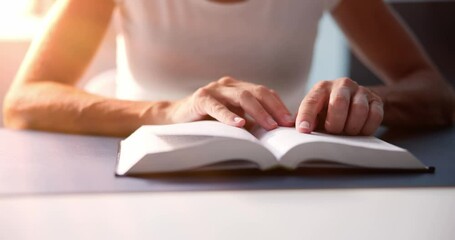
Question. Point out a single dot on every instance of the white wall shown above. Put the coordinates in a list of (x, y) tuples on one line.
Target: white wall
[(331, 55)]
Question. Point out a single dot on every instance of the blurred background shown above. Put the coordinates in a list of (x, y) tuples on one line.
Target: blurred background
[(433, 22)]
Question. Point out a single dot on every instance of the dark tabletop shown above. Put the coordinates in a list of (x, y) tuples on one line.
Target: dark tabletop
[(52, 163)]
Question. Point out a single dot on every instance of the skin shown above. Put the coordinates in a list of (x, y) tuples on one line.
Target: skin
[(43, 96), (415, 94), (228, 1)]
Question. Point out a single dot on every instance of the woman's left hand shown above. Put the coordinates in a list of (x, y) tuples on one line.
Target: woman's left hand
[(340, 107)]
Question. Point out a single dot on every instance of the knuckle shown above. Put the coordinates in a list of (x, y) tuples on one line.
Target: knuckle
[(345, 81), (311, 100), (273, 92), (245, 95), (212, 85), (226, 80), (322, 85), (216, 109), (261, 90), (360, 109), (364, 90), (377, 99), (340, 101), (202, 92)]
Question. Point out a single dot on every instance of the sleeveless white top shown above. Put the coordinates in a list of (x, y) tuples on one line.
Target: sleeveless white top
[(166, 49)]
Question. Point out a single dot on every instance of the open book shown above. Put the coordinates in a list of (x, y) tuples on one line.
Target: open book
[(212, 145)]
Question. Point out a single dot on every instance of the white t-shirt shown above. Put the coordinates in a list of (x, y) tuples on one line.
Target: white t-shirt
[(166, 49)]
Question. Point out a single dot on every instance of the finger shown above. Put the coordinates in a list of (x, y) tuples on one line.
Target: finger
[(241, 113), (238, 110), (338, 108), (311, 106), (358, 113), (238, 97), (375, 116), (250, 123), (221, 113), (253, 108), (273, 105)]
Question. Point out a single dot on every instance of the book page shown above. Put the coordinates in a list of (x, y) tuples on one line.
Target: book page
[(191, 146), (280, 140), (200, 128)]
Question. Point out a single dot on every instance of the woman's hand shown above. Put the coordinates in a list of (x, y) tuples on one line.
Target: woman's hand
[(340, 107), (418, 101), (228, 100)]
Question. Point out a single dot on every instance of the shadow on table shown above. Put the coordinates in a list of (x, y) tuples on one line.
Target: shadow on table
[(284, 179), (394, 135)]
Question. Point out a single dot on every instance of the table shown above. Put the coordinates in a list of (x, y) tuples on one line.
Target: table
[(418, 214), (62, 186), (48, 163)]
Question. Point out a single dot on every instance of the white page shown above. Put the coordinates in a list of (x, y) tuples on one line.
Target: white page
[(141, 143), (177, 142), (282, 139), (200, 128)]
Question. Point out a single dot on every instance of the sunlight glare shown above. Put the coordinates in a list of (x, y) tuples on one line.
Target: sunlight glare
[(13, 8), (16, 22)]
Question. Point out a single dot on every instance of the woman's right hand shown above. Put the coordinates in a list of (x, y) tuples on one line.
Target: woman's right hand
[(228, 100)]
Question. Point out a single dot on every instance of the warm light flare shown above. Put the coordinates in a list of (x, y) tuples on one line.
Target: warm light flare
[(18, 19), (13, 8)]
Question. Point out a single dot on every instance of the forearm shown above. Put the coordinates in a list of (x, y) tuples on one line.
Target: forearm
[(57, 107), (415, 94), (421, 99)]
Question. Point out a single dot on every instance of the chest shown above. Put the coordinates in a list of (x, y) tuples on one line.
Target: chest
[(213, 28)]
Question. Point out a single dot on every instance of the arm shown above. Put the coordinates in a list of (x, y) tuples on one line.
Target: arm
[(415, 93), (44, 97)]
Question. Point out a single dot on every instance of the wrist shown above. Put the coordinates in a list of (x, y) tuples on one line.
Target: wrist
[(418, 101), (156, 113)]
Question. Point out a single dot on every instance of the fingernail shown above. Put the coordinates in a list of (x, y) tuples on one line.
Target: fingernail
[(288, 118), (238, 119), (271, 122), (304, 125)]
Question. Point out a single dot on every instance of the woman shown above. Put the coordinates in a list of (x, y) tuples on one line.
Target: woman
[(174, 56)]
